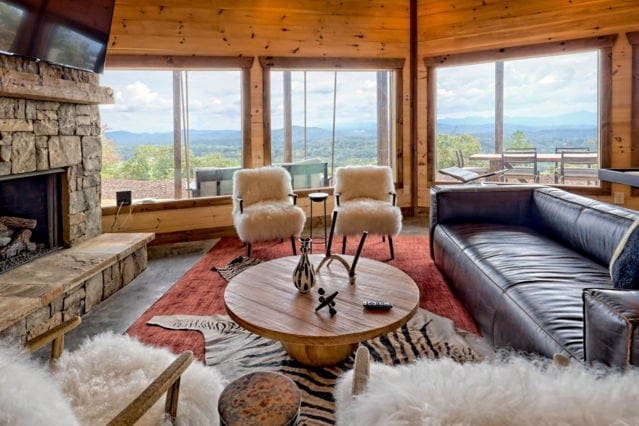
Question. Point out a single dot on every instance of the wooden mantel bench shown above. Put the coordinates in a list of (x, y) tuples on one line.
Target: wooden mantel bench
[(44, 293)]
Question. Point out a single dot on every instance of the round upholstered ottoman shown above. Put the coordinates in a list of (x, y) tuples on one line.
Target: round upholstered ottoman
[(260, 399)]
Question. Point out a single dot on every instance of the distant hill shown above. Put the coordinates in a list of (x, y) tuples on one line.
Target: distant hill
[(357, 142)]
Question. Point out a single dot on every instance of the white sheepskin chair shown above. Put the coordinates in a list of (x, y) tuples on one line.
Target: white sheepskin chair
[(365, 201), (91, 385), (28, 394), (515, 391), (262, 207)]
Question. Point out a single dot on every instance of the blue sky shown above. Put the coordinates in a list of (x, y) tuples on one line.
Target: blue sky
[(534, 87)]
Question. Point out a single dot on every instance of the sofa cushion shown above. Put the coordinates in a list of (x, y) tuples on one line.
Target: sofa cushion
[(542, 281), (588, 226), (624, 265), (514, 255)]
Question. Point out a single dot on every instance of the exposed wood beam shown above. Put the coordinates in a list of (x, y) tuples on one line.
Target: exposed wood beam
[(505, 53), (178, 62), (285, 62), (413, 40)]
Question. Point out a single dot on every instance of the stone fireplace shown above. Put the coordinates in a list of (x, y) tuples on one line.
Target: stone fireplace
[(50, 161), (38, 135)]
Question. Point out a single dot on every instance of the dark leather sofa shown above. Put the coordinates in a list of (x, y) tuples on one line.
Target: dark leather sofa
[(520, 257)]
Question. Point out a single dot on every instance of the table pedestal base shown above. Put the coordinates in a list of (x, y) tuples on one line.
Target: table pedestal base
[(319, 355)]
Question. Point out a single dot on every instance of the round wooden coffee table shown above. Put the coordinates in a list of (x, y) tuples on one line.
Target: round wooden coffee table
[(264, 300)]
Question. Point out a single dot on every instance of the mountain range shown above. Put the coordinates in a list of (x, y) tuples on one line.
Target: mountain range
[(573, 129)]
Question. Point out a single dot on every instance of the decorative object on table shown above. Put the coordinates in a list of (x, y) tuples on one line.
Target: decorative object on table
[(327, 301), (235, 266), (260, 398), (330, 257), (304, 274)]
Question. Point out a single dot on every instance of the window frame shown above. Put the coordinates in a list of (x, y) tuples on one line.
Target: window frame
[(395, 65), (633, 39), (603, 43), (197, 63)]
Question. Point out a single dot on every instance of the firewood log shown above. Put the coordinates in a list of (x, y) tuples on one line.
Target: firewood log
[(5, 231), (18, 222), (18, 244)]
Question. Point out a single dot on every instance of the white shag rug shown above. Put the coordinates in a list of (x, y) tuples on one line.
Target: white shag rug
[(511, 391), (108, 371)]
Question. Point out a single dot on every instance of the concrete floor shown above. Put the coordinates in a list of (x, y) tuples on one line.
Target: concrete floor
[(165, 266)]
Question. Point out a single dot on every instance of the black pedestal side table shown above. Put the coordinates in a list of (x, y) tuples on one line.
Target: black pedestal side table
[(318, 197)]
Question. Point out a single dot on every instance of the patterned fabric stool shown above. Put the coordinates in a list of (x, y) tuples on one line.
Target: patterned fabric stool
[(260, 399)]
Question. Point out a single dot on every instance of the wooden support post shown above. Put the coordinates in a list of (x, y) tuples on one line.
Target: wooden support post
[(288, 119), (499, 107), (177, 130), (382, 118)]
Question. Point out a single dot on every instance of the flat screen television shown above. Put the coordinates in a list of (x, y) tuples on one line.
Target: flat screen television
[(73, 33)]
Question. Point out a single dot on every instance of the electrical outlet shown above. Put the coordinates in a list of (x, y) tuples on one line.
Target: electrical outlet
[(617, 198), (123, 198)]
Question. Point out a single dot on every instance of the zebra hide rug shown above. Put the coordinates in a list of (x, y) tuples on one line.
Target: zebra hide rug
[(236, 352)]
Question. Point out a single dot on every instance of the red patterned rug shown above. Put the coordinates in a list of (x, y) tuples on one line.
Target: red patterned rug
[(201, 291)]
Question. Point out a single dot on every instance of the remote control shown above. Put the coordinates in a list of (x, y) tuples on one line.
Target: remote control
[(377, 304)]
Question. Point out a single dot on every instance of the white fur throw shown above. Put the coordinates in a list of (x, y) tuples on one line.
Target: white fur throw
[(374, 216), (107, 372), (269, 213), (28, 394), (374, 182), (514, 392), (260, 184)]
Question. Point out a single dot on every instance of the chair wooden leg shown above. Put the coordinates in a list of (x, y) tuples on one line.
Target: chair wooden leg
[(248, 249), (344, 244), (294, 246), (390, 245)]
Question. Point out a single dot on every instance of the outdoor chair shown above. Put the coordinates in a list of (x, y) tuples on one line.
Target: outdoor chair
[(262, 207), (461, 163), (365, 200), (576, 163), (521, 165), (110, 378)]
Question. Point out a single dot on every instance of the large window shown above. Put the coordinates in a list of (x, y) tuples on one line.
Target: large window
[(322, 117), (539, 113), (161, 118)]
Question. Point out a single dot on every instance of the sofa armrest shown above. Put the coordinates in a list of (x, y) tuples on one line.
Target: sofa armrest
[(507, 204), (611, 326)]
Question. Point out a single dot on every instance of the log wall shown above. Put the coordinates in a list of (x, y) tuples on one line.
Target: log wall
[(301, 28), (448, 27), (369, 28)]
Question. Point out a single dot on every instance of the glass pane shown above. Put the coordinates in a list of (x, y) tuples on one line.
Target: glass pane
[(465, 115), (72, 48), (215, 131), (550, 110), (10, 18), (363, 126), (551, 105), (137, 143)]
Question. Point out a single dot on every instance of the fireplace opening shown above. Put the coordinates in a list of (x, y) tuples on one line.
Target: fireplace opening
[(30, 216)]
